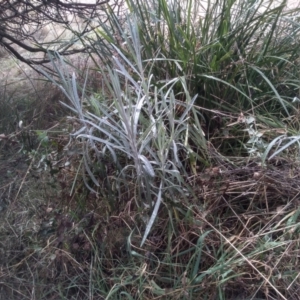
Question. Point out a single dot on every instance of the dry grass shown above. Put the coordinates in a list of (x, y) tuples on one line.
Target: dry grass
[(248, 218)]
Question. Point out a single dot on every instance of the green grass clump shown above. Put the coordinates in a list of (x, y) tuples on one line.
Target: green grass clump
[(233, 55)]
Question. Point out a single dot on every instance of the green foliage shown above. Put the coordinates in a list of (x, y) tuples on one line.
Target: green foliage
[(233, 56)]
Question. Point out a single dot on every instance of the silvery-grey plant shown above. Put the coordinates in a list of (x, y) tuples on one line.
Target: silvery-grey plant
[(137, 128)]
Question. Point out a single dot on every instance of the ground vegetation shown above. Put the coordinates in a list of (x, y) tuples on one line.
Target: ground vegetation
[(173, 170)]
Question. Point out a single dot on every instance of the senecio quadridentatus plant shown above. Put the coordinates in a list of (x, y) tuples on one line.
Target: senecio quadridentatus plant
[(136, 120)]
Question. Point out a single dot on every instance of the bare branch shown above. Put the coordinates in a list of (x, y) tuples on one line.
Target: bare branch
[(20, 20)]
